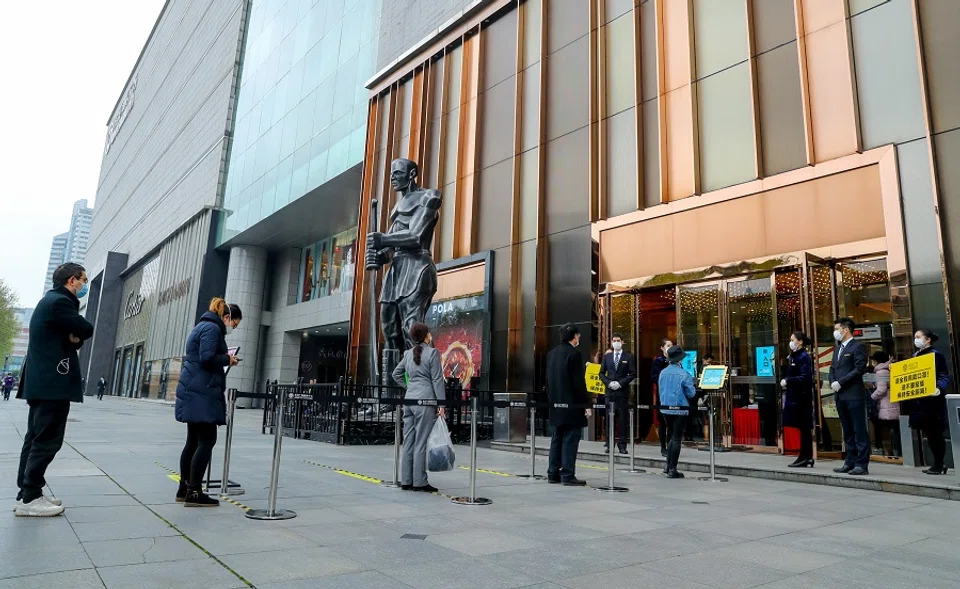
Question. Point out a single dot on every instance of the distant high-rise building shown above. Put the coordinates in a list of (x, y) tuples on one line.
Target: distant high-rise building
[(72, 245), (14, 361)]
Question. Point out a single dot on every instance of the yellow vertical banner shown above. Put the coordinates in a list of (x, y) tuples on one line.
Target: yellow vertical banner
[(913, 378), (595, 386)]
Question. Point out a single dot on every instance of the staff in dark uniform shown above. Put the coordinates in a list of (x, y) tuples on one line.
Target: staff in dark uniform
[(659, 363), (617, 370), (928, 414), (798, 397)]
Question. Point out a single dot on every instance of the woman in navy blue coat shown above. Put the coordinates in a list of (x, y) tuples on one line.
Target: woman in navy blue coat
[(200, 401), (798, 396), (928, 414)]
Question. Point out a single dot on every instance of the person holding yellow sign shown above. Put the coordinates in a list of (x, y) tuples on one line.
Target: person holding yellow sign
[(928, 413)]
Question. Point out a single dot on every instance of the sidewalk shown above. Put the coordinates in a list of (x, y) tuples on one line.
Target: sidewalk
[(123, 530), (892, 478)]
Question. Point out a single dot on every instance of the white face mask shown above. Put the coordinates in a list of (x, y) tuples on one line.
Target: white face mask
[(919, 343), (794, 346), (229, 329), (617, 346), (837, 335)]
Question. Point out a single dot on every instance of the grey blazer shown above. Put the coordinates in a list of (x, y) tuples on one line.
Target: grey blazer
[(425, 379)]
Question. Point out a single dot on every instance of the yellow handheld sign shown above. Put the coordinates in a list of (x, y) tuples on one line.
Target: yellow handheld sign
[(595, 386), (913, 378)]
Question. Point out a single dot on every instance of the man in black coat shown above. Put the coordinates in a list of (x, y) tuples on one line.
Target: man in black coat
[(566, 385), (846, 380), (50, 380), (617, 370)]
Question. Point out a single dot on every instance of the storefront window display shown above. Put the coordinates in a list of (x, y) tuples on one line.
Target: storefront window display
[(458, 332), (328, 266)]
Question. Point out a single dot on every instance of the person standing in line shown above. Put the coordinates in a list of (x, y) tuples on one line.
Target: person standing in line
[(8, 382), (888, 414), (101, 387), (50, 381), (659, 363), (798, 397), (200, 401), (618, 369), (676, 389), (420, 372), (928, 414), (566, 385), (846, 380)]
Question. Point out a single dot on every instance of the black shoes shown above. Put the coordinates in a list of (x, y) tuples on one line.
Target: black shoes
[(859, 471), (808, 462), (936, 470), (663, 452), (674, 474), (181, 492), (197, 498), (406, 487), (428, 488), (622, 448), (843, 469), (573, 482), (553, 481)]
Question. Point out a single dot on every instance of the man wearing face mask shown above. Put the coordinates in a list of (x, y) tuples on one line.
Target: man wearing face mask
[(846, 380), (49, 381), (617, 370), (566, 385)]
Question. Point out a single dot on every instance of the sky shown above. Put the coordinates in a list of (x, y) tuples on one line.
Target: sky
[(63, 65)]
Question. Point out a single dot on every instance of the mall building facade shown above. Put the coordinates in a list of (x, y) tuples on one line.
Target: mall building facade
[(718, 172)]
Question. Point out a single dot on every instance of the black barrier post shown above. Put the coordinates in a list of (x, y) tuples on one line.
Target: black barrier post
[(633, 448), (225, 480), (473, 499), (533, 476), (713, 458), (272, 513), (611, 468), (397, 427)]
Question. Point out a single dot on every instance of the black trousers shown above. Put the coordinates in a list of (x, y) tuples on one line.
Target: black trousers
[(621, 417), (201, 438), (46, 425), (563, 452), (676, 425), (6, 394), (938, 445), (856, 436), (806, 444)]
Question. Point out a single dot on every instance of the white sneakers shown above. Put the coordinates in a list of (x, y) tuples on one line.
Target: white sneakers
[(39, 507)]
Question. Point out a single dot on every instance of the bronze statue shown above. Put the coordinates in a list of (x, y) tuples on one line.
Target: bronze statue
[(411, 280)]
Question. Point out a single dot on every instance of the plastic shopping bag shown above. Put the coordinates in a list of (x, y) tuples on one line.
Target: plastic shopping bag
[(440, 455)]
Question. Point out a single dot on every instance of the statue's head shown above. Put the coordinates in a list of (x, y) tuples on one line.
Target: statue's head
[(403, 174)]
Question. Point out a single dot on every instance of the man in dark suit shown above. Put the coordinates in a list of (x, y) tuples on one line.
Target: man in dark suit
[(618, 369), (846, 381), (50, 380), (567, 385)]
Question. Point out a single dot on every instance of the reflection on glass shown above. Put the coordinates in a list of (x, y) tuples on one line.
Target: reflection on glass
[(700, 333), (328, 267), (866, 292)]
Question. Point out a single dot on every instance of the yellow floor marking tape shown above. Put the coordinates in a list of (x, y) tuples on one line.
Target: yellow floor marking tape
[(361, 477), (494, 472), (175, 476)]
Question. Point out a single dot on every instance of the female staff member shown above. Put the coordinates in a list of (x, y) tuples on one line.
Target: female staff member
[(927, 413), (200, 401), (424, 380), (798, 397)]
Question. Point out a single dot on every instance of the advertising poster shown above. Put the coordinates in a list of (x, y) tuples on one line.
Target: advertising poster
[(765, 360), (689, 363), (458, 329)]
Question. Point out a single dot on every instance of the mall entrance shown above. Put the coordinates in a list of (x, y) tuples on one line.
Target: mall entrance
[(744, 321)]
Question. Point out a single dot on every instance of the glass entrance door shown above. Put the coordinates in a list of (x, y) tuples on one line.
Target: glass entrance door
[(821, 297)]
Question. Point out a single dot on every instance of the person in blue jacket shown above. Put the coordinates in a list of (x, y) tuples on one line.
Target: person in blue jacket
[(929, 414), (200, 401), (676, 389)]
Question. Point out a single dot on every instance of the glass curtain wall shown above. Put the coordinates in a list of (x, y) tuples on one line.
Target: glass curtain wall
[(328, 266)]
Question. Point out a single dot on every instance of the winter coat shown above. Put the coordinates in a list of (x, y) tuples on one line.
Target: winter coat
[(931, 411), (566, 383), (676, 389), (51, 370), (202, 379), (798, 396), (888, 411)]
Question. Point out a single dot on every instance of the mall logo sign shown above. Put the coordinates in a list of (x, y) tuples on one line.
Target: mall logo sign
[(120, 114), (178, 290), (134, 305)]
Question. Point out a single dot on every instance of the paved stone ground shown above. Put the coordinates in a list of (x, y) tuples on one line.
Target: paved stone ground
[(123, 530)]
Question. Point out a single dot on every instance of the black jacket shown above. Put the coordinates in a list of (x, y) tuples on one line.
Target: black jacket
[(566, 383), (930, 411), (202, 379), (624, 373), (847, 368), (51, 370), (798, 397), (659, 363)]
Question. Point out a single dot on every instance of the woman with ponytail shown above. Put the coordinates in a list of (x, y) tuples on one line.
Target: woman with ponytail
[(200, 401), (420, 372)]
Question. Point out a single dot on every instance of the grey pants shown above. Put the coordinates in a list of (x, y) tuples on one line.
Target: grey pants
[(417, 425)]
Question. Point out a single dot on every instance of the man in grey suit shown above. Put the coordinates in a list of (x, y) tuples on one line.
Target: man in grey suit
[(846, 380)]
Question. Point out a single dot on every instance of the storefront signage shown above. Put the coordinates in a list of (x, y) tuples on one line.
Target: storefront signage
[(689, 363), (913, 378), (178, 290), (765, 360), (595, 386), (120, 115), (867, 333), (134, 305)]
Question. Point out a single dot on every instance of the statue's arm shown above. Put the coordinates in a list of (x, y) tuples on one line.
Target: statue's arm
[(411, 238)]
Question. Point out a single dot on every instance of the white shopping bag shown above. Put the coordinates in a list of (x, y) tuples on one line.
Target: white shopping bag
[(440, 455)]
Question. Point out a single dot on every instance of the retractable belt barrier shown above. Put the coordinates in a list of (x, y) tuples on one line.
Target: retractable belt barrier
[(271, 512)]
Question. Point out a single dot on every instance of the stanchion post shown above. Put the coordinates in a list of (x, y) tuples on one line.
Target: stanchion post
[(225, 479), (633, 447), (611, 468), (272, 513), (533, 476), (473, 499), (713, 460), (397, 427)]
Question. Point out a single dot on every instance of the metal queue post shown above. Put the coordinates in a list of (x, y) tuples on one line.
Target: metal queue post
[(533, 476), (713, 478), (472, 499), (633, 448), (225, 488), (611, 468), (272, 513)]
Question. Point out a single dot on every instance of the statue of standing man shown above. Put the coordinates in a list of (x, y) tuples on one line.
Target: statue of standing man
[(411, 280)]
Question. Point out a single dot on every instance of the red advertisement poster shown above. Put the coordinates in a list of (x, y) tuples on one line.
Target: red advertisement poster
[(457, 327)]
